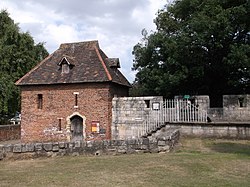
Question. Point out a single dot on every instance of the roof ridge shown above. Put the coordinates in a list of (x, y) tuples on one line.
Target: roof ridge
[(92, 43), (103, 64)]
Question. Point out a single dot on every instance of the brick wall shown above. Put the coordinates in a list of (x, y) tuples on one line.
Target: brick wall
[(94, 102), (10, 132)]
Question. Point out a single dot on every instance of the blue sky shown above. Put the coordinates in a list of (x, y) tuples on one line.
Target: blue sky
[(116, 24)]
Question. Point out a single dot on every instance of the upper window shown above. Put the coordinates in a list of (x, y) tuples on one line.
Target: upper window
[(65, 64), (40, 101), (65, 68)]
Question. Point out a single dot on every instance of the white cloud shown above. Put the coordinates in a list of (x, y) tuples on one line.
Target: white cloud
[(117, 24)]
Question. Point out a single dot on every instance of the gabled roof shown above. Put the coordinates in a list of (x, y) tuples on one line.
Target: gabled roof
[(87, 61)]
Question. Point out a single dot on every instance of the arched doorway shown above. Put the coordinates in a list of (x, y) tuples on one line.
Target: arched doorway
[(76, 128)]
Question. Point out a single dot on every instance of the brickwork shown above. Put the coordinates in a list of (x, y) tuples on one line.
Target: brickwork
[(49, 121), (10, 132)]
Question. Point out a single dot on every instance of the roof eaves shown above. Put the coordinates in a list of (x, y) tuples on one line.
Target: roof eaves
[(18, 82)]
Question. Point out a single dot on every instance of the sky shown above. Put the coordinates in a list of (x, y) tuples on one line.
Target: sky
[(116, 24)]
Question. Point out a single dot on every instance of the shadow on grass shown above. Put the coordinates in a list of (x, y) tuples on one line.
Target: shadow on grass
[(234, 148)]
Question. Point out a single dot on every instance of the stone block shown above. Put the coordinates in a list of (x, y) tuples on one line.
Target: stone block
[(61, 145), (161, 143), (122, 151), (17, 148), (55, 147), (164, 148), (131, 142), (145, 141), (38, 146), (30, 147), (62, 152), (144, 147), (47, 146), (24, 148), (89, 144), (106, 143), (8, 148), (78, 144), (75, 154)]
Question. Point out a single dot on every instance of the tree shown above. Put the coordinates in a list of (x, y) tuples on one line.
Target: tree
[(200, 47), (18, 54)]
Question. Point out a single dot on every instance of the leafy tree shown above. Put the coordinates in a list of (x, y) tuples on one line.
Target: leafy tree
[(18, 54), (200, 47)]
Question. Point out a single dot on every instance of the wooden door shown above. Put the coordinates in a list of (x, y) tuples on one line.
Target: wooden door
[(77, 128)]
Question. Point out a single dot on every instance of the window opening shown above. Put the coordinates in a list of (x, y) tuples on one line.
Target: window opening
[(241, 102), (40, 101), (60, 124), (65, 68), (147, 103), (76, 99)]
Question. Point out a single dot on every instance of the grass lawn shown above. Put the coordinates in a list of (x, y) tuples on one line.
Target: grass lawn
[(196, 162)]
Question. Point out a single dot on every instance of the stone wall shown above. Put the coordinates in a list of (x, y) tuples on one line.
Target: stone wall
[(128, 114), (213, 130), (114, 147), (236, 107), (10, 132)]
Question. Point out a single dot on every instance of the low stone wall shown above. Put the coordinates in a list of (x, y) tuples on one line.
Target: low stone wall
[(213, 130), (10, 132), (113, 147)]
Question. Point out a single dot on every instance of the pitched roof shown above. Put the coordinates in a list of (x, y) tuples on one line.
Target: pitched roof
[(86, 63)]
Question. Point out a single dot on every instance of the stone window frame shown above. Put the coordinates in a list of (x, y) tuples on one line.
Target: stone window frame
[(68, 127)]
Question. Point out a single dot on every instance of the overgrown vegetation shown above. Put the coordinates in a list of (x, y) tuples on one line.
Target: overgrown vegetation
[(196, 162), (18, 54), (200, 47)]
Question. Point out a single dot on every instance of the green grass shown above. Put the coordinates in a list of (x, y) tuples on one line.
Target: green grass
[(195, 163)]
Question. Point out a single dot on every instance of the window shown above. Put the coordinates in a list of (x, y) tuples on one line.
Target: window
[(242, 102), (76, 99), (40, 101), (147, 102), (65, 68), (59, 124)]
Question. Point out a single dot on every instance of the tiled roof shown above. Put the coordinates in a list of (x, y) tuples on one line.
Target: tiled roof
[(86, 63)]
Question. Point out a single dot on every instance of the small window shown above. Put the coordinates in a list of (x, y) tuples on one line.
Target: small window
[(59, 124), (147, 102), (65, 68), (40, 101), (76, 99), (242, 102)]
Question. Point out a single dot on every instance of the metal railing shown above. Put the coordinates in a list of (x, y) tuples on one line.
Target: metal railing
[(175, 110)]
